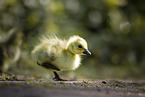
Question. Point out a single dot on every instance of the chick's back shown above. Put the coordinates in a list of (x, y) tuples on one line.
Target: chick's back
[(48, 49)]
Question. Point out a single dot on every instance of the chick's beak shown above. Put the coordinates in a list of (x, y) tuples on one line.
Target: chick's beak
[(87, 52)]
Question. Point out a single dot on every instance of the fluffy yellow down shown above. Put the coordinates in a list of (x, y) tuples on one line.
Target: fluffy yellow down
[(64, 54)]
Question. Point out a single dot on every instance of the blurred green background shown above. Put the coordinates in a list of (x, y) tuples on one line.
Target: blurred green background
[(114, 30)]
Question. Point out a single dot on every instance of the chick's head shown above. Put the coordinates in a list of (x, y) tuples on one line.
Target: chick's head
[(78, 45)]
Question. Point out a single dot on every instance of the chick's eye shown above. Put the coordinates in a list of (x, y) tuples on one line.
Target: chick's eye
[(80, 46)]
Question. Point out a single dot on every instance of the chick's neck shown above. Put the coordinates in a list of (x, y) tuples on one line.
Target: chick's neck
[(70, 49)]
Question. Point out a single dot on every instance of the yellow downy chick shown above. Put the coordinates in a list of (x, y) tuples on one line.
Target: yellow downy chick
[(57, 54)]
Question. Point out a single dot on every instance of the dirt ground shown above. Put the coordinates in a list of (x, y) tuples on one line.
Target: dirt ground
[(98, 88)]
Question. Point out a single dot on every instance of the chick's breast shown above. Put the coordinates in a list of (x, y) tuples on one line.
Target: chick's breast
[(67, 61)]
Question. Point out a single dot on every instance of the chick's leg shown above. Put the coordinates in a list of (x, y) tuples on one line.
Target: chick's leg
[(50, 66), (57, 77)]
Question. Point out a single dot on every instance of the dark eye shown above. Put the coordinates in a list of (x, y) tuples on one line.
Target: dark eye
[(80, 46)]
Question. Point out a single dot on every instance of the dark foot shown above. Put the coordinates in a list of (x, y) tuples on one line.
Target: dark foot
[(49, 66), (57, 77)]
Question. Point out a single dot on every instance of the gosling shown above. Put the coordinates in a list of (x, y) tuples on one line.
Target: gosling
[(57, 55)]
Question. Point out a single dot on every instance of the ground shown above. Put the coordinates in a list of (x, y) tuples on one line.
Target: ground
[(13, 87)]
